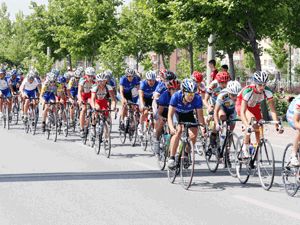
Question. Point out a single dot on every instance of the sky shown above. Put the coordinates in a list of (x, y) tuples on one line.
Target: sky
[(15, 6)]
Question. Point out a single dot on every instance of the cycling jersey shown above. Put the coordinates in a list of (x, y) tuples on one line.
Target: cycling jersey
[(213, 90), (101, 94), (147, 89), (73, 86), (4, 84), (49, 87), (161, 87), (164, 101), (87, 86), (30, 86), (112, 82), (127, 86), (294, 108), (14, 82), (177, 102), (252, 97), (225, 101)]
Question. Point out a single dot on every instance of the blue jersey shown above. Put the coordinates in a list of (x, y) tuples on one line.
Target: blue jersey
[(148, 91), (177, 102), (4, 84), (14, 82), (161, 87), (128, 85), (164, 100), (294, 108), (112, 82)]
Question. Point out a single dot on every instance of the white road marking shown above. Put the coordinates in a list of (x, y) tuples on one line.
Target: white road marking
[(269, 207), (146, 166)]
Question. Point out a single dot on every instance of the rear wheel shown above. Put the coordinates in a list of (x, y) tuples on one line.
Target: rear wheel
[(290, 174)]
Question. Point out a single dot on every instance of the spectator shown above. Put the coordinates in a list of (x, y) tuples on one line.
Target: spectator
[(214, 71)]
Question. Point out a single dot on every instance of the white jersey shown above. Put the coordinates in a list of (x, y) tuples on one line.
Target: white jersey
[(30, 86), (3, 84)]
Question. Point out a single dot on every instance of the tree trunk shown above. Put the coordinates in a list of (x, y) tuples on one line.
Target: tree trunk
[(137, 61), (210, 55), (69, 61), (231, 65), (164, 60), (191, 55), (158, 62), (290, 68)]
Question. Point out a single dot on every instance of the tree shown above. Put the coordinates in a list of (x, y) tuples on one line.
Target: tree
[(279, 54), (6, 31)]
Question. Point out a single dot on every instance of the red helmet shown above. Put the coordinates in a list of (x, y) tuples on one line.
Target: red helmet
[(222, 77), (197, 76), (173, 84), (162, 73)]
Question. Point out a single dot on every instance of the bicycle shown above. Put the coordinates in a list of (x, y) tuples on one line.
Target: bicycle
[(262, 155), (103, 123), (62, 117), (225, 149), (51, 125), (164, 144), (184, 162), (290, 174), (147, 133), (87, 122), (130, 125), (76, 114), (16, 107), (33, 115), (6, 120)]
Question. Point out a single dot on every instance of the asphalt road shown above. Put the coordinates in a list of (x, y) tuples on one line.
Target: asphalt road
[(42, 182)]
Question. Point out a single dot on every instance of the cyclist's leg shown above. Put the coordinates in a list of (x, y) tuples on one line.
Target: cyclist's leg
[(294, 159)]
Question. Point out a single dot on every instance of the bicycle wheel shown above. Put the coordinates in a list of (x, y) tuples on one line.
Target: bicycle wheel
[(133, 132), (91, 137), (99, 140), (172, 174), (48, 128), (150, 138), (289, 173), (55, 127), (7, 119), (107, 141), (187, 165), (243, 169), (66, 125), (231, 154), (15, 110), (266, 165), (163, 154), (211, 156), (26, 127), (36, 118), (122, 132), (144, 139)]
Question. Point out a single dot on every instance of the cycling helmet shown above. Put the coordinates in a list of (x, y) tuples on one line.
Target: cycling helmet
[(173, 84), (56, 72), (68, 75), (222, 77), (233, 87), (129, 71), (30, 75), (150, 75), (51, 76), (14, 72), (108, 74), (62, 80), (101, 77), (260, 77), (188, 85), (162, 73), (90, 71), (169, 75), (2, 70), (77, 73), (197, 76)]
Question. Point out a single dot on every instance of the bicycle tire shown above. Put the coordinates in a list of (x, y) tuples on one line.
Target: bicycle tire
[(99, 141), (15, 110), (231, 159), (243, 169), (289, 173), (133, 132), (266, 165), (7, 119), (211, 156), (163, 154), (107, 145), (66, 128), (187, 168), (122, 133), (36, 118), (55, 126)]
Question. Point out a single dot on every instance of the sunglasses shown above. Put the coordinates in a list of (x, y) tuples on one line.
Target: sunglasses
[(129, 76), (233, 95), (190, 94), (261, 85)]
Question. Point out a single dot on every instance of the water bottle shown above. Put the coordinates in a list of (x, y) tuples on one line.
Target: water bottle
[(251, 149), (167, 138)]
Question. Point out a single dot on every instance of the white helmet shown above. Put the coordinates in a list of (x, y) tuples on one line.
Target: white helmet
[(51, 76), (233, 87), (77, 73), (151, 75), (108, 74), (260, 77), (31, 75), (189, 85), (101, 77), (90, 71)]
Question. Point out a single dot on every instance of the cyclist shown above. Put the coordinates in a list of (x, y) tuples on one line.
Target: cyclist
[(5, 91), (248, 106), (72, 89), (84, 94), (214, 71), (293, 118), (14, 81), (68, 75), (99, 97), (182, 104), (146, 91), (48, 92), (61, 96), (162, 111), (29, 89), (129, 84), (198, 78)]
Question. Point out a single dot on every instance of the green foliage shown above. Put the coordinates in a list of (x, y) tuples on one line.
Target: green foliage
[(249, 62), (147, 63), (6, 31), (281, 105), (279, 54)]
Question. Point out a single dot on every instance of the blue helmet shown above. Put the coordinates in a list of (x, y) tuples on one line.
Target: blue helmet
[(188, 85), (62, 80), (150, 75)]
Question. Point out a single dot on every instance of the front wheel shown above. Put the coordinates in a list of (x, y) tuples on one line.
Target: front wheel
[(231, 154), (290, 174), (211, 155), (187, 164), (107, 141), (243, 168)]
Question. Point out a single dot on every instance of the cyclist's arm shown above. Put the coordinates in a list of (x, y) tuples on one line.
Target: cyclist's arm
[(141, 98), (79, 93), (216, 113), (171, 113), (200, 116), (160, 111), (122, 94), (205, 101), (113, 99), (93, 101), (243, 113), (272, 109)]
